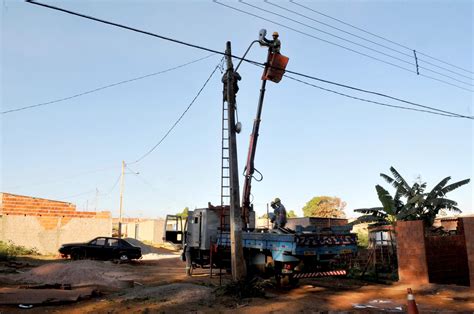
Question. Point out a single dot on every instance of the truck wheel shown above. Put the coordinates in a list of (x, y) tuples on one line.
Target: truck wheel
[(286, 281)]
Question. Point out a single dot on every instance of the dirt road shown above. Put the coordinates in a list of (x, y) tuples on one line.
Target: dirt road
[(160, 285)]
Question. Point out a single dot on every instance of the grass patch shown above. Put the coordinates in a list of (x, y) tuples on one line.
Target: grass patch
[(9, 250)]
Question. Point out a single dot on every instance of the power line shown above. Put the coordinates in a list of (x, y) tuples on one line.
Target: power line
[(140, 177), (379, 94), (341, 46), (371, 101), (353, 42), (107, 86), (378, 36), (179, 119), (410, 55), (447, 114), (247, 60), (63, 178)]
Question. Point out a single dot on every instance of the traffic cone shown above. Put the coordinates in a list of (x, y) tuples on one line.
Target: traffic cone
[(411, 304)]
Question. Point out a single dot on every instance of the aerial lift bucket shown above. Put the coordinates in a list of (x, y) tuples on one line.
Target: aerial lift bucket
[(276, 68)]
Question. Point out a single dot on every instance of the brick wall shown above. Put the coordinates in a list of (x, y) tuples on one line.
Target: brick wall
[(46, 224), (468, 226), (447, 259), (412, 266)]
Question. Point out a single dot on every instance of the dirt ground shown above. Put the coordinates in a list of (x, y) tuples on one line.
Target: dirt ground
[(159, 285)]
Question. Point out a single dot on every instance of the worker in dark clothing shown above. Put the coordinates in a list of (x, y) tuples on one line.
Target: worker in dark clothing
[(237, 78), (279, 211), (274, 44)]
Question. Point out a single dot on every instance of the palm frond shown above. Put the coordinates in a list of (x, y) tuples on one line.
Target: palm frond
[(415, 199), (387, 178), (368, 210), (442, 203), (454, 186), (435, 192), (399, 178), (368, 219), (386, 199)]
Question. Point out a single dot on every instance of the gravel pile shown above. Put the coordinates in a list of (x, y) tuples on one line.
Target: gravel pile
[(75, 273)]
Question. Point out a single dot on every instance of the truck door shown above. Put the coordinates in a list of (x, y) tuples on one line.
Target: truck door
[(174, 230)]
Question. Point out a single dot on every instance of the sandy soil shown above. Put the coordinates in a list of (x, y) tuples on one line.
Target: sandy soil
[(161, 286)]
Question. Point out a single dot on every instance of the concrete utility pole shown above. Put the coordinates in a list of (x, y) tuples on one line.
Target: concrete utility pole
[(239, 270), (121, 198)]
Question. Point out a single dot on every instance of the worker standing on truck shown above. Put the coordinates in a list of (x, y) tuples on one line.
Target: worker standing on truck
[(274, 44), (279, 211)]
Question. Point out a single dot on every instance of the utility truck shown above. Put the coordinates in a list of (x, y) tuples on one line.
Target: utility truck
[(205, 236)]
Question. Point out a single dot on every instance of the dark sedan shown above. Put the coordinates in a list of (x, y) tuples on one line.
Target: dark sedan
[(103, 248)]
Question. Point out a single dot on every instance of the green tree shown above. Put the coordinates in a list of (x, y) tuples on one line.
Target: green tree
[(325, 206), (184, 213), (410, 202)]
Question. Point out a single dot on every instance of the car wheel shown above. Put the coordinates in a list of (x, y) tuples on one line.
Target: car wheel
[(123, 258), (77, 255)]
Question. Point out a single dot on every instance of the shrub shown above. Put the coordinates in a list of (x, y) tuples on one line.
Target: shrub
[(9, 250)]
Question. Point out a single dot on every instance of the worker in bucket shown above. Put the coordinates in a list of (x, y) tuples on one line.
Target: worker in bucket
[(274, 44), (279, 214)]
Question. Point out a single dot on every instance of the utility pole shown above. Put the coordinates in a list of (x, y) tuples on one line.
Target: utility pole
[(121, 198), (239, 270), (96, 199)]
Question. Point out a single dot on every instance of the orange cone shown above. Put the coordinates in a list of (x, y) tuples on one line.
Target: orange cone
[(411, 304)]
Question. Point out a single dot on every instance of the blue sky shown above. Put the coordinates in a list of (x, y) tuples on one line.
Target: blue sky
[(311, 142)]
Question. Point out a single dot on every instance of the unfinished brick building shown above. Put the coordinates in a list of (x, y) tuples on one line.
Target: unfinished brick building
[(46, 224)]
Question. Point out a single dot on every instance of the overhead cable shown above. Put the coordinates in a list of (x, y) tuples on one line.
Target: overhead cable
[(410, 55), (342, 46), (372, 101), (378, 36), (249, 61), (179, 119), (355, 43), (107, 86)]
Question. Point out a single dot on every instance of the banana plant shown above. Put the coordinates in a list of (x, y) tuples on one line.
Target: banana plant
[(410, 202)]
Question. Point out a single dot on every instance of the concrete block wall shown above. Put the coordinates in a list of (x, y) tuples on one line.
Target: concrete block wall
[(151, 230), (468, 226), (46, 224), (411, 252)]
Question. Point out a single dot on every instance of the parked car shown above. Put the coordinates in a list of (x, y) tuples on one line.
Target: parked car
[(104, 248)]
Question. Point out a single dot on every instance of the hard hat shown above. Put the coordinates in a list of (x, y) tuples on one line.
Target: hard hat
[(276, 34), (276, 200)]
